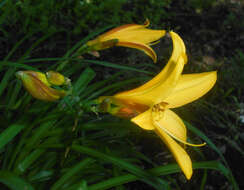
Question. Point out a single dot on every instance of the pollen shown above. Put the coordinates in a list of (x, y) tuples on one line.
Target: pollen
[(158, 110)]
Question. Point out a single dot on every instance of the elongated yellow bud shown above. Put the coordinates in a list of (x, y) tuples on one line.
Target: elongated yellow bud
[(38, 86)]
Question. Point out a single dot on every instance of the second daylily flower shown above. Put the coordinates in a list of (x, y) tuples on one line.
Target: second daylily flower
[(129, 35), (149, 105)]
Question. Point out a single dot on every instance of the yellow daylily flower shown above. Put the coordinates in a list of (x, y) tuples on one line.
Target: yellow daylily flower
[(149, 105), (38, 85), (129, 35)]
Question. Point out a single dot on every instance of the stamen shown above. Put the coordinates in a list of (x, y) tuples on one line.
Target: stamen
[(158, 110), (158, 114), (176, 138), (146, 23), (154, 43)]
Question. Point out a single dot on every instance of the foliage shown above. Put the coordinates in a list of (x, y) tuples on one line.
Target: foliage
[(77, 16)]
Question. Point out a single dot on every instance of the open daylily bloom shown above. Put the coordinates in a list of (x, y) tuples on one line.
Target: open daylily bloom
[(129, 35), (39, 85), (149, 105)]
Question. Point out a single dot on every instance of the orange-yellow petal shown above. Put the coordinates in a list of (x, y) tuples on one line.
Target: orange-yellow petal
[(142, 35), (133, 33), (178, 51), (191, 87), (180, 155), (120, 29), (140, 46), (144, 120), (170, 123), (159, 91)]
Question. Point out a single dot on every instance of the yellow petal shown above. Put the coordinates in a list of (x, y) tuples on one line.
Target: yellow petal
[(142, 35), (159, 91), (178, 47), (180, 155), (55, 78), (141, 46), (171, 124), (144, 120), (118, 30), (41, 76), (191, 87), (178, 50), (133, 33)]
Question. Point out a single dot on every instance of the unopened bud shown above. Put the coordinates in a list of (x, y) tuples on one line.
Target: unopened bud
[(37, 85)]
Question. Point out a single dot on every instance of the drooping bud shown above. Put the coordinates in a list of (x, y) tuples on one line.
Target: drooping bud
[(128, 35), (37, 85)]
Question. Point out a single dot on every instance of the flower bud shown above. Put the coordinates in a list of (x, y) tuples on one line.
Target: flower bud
[(56, 78), (38, 86)]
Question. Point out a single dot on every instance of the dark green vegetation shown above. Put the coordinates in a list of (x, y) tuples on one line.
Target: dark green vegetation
[(60, 146)]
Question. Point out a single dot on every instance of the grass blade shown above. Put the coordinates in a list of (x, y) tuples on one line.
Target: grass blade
[(148, 178), (214, 147), (115, 66), (6, 78), (18, 65), (87, 75), (29, 160), (13, 181), (113, 87), (72, 171), (8, 134), (158, 171)]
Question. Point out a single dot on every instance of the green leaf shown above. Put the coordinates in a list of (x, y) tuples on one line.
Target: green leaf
[(115, 66), (17, 45), (71, 52), (43, 130), (3, 2), (95, 86), (13, 181), (80, 186), (8, 134), (113, 86), (18, 65), (14, 94), (84, 40), (157, 171), (214, 147), (5, 80), (147, 177), (71, 172), (32, 157), (87, 75)]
